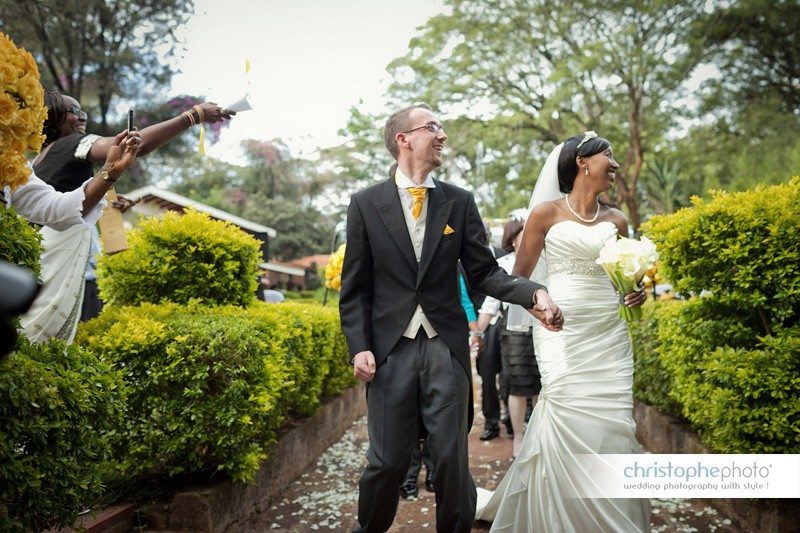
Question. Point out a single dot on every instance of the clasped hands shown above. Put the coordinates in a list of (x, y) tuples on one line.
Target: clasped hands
[(546, 311)]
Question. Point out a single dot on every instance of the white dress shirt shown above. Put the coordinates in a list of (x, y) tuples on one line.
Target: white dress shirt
[(416, 230), (40, 203)]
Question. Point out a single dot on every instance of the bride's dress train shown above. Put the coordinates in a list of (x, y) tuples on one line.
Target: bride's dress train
[(585, 405)]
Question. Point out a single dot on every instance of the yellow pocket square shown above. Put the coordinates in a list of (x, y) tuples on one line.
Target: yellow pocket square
[(448, 230)]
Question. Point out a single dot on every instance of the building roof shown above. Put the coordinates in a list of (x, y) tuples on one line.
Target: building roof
[(306, 262), (283, 269), (176, 202)]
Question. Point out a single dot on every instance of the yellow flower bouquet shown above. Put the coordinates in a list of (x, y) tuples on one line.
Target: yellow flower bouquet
[(22, 112), (333, 272)]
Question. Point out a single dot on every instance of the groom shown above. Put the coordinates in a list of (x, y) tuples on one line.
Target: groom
[(406, 331)]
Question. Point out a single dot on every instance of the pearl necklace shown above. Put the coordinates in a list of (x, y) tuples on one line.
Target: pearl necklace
[(587, 220)]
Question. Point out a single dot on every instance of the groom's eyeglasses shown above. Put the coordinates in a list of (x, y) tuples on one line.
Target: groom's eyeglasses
[(430, 126)]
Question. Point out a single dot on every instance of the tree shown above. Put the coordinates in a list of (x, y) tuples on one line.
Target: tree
[(100, 49), (745, 132), (275, 189), (302, 230), (276, 174), (665, 186), (537, 71), (736, 149), (357, 163), (757, 49)]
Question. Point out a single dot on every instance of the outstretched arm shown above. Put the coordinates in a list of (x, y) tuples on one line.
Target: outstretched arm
[(159, 134), (487, 277)]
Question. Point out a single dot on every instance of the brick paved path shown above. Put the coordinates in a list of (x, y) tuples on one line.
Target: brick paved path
[(325, 497)]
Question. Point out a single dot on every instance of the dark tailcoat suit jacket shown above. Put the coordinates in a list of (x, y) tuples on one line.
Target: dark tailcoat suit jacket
[(382, 282)]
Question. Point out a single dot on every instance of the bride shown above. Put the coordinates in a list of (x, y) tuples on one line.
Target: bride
[(586, 402)]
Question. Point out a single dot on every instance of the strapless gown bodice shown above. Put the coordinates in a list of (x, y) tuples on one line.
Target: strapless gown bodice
[(572, 248)]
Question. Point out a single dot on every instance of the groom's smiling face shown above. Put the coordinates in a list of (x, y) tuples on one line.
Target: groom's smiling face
[(425, 145)]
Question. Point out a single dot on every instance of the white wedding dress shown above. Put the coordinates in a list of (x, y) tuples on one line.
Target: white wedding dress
[(586, 402)]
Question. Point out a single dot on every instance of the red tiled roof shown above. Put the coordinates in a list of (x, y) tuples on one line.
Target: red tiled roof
[(305, 262)]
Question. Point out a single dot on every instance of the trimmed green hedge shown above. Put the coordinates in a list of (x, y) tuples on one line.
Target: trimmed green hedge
[(20, 244), (739, 390), (742, 247), (157, 394), (729, 361), (180, 258), (209, 386), (59, 408), (651, 381)]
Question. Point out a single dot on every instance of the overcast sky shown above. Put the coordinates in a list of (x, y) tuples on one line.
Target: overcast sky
[(311, 61)]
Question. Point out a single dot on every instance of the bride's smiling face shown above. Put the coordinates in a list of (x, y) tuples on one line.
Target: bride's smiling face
[(602, 167)]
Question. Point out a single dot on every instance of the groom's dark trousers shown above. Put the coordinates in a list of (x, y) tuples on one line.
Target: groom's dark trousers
[(420, 381)]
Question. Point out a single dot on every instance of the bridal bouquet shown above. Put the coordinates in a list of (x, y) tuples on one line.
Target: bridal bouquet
[(626, 261)]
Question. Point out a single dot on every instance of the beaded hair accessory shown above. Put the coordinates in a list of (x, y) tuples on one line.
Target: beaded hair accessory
[(586, 136)]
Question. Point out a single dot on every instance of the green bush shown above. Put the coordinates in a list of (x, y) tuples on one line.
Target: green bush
[(202, 390), (333, 372), (210, 386), (728, 360), (59, 408), (651, 381), (742, 247), (741, 392), (21, 243), (303, 339), (181, 258)]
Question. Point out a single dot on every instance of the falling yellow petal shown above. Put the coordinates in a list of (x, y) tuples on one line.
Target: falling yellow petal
[(201, 148), (246, 66)]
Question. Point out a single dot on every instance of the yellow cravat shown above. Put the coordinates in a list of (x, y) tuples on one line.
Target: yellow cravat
[(418, 194)]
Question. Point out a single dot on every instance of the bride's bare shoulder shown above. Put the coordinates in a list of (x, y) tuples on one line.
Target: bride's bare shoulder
[(619, 219), (545, 214), (548, 208)]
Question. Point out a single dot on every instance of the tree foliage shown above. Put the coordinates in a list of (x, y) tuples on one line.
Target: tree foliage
[(511, 78), (302, 230), (757, 47), (96, 50), (276, 174), (274, 189), (744, 132), (536, 72)]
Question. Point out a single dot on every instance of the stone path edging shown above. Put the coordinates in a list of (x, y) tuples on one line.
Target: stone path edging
[(661, 433), (220, 507)]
